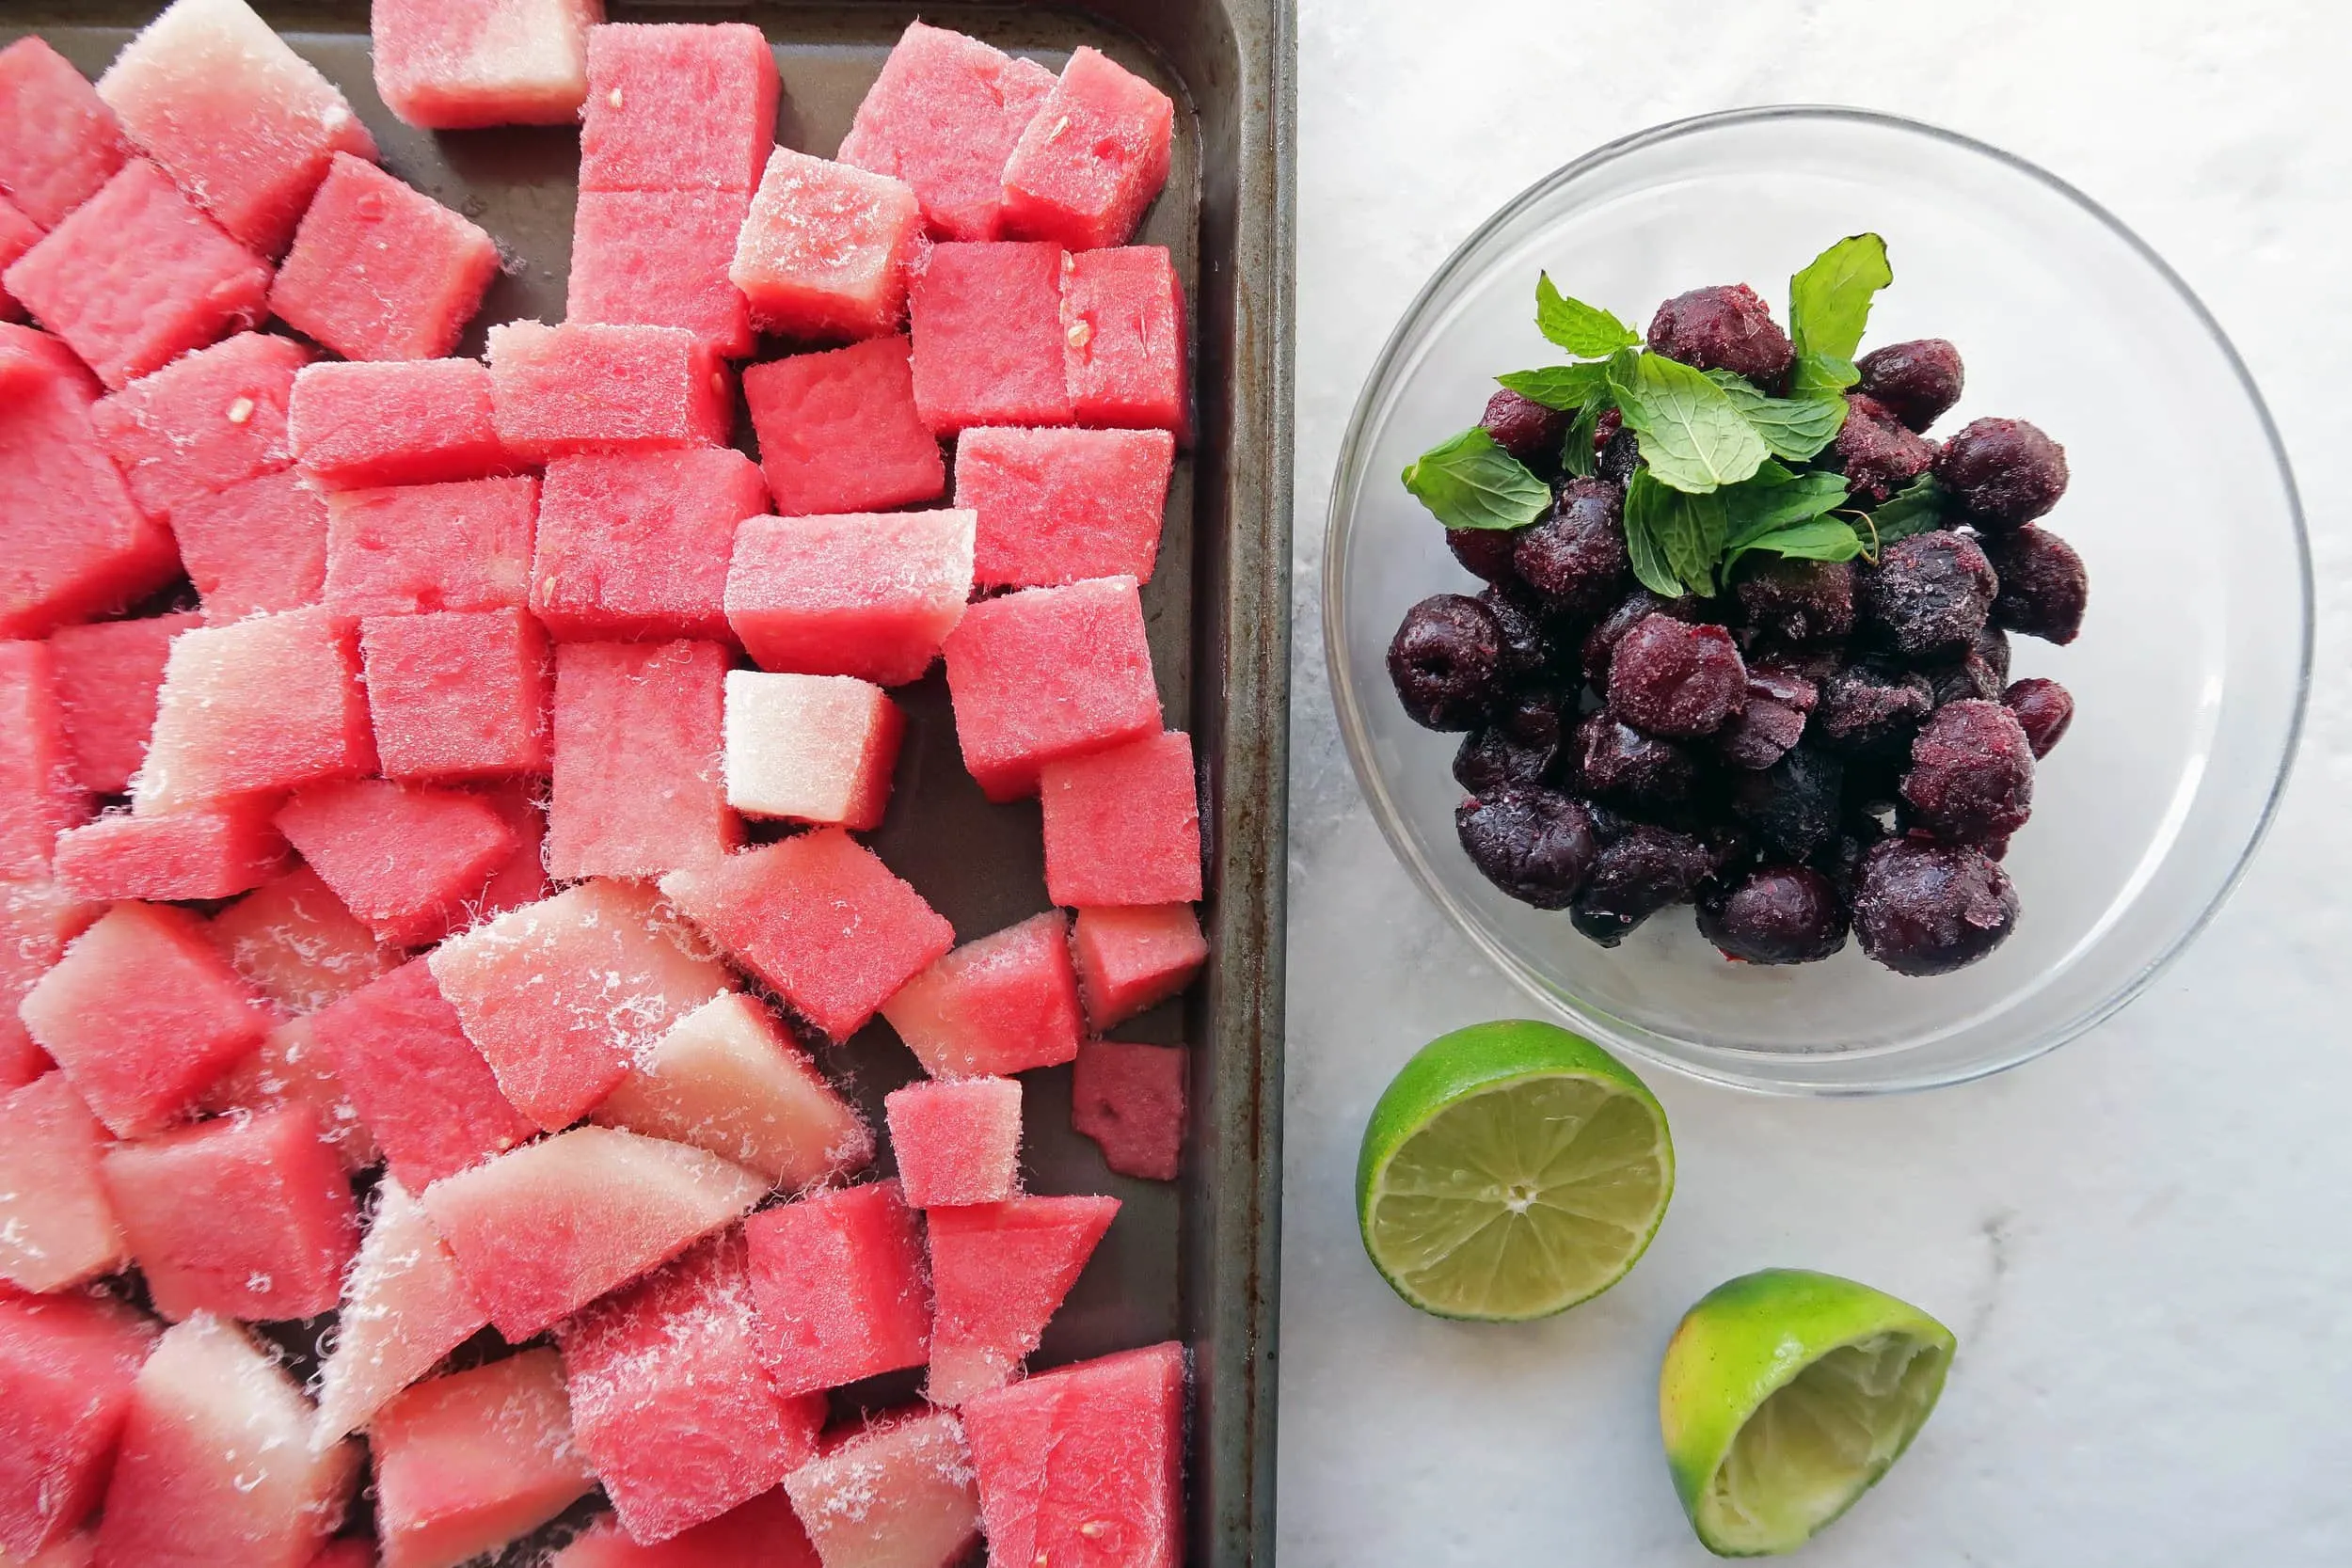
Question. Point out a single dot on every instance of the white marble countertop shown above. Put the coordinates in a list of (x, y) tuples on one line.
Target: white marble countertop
[(2140, 1239)]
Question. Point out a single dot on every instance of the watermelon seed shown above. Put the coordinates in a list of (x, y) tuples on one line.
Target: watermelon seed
[(241, 411), (1080, 334), (613, 98)]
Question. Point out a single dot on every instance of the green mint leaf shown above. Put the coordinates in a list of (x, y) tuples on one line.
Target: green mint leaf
[(1692, 436), (1562, 386), (1917, 508), (1470, 482), (1648, 553), (1776, 498), (1829, 302), (1585, 330), (1821, 375), (1688, 530), (1577, 455), (1821, 539), (1795, 428)]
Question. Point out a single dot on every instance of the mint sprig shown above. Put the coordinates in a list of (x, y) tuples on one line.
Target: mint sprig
[(1787, 513), (1796, 428), (1692, 436), (1919, 507), (1586, 331), (1829, 301), (1567, 387), (1470, 482)]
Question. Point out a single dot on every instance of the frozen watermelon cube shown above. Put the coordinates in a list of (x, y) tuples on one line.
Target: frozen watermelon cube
[(1002, 1004), (838, 430), (661, 259), (404, 1307), (943, 116), (379, 270), (18, 234), (470, 1461), (256, 547), (212, 853), (562, 997), (896, 1494), (57, 1227), (824, 249), (810, 748), (1130, 1100), (58, 141), (68, 1363), (639, 782), (1057, 506), (956, 1142), (1134, 958), (671, 1400), (544, 1230), (1122, 310), (999, 1273), (524, 878), (583, 387), (634, 545), (292, 1068), (677, 107), (404, 549), (410, 421), (267, 705), (1083, 1467), (241, 121), (482, 62), (142, 1014), (403, 857), (762, 1533), (989, 343), (1093, 157), (458, 693), (1046, 674), (205, 422), (40, 794), (36, 919), (1123, 826), (297, 944), (837, 1278), (867, 594), (820, 918), (107, 674)]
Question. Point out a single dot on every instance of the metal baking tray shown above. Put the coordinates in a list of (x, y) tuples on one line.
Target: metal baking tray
[(1195, 1261)]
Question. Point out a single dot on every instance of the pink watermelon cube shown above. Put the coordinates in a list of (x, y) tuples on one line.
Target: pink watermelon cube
[(57, 1227), (1000, 1005), (824, 250), (988, 343), (379, 270), (671, 1400), (1122, 310), (762, 1533), (1122, 827), (956, 1142), (142, 1014), (247, 1216), (58, 141), (405, 1306), (1130, 1100), (562, 997), (292, 1068), (403, 857), (267, 705), (895, 1494), (1133, 959), (68, 1363), (420, 1087), (406, 550), (524, 878), (587, 388), (1058, 506), (677, 107), (544, 1230), (409, 421), (818, 917), (727, 1079), (943, 116), (241, 121), (810, 748), (838, 430), (486, 62), (470, 1461), (872, 595), (36, 919), (634, 545), (40, 794), (1083, 1467), (297, 944), (1093, 157), (458, 693), (18, 234), (1046, 674), (999, 1272), (837, 1278), (640, 787), (205, 422), (256, 547), (216, 1464), (661, 259), (215, 853), (107, 674)]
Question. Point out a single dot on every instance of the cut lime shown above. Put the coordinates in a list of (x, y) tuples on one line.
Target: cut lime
[(1510, 1171), (1785, 1396)]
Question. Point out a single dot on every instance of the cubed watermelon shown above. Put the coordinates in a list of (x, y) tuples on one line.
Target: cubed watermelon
[(1093, 157), (57, 1227), (896, 1494), (408, 549), (379, 270), (297, 944), (1083, 1467), (989, 343), (943, 116), (544, 1230), (867, 594), (68, 1363), (255, 548), (587, 388), (36, 919), (824, 249), (810, 748), (1002, 1004), (405, 1306), (267, 705), (837, 1278), (672, 1402), (403, 857), (212, 853), (241, 121), (1130, 1100), (468, 1462), (411, 421), (677, 107), (762, 1533), (661, 259), (107, 674), (1122, 310), (1134, 958), (956, 1142), (524, 878), (58, 141), (1046, 674), (40, 794), (291, 1067), (634, 545), (639, 776), (1122, 825), (727, 1077), (838, 430), (1057, 506), (485, 62), (820, 918), (205, 422), (999, 1273), (18, 234), (457, 694)]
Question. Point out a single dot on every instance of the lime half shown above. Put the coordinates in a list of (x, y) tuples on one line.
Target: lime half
[(1510, 1171), (1785, 1396)]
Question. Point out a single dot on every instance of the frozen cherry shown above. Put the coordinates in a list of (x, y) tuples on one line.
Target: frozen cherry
[(1929, 594), (1526, 631), (1619, 457), (1605, 430), (1776, 915), (1622, 763), (1773, 721), (1535, 845), (1641, 870), (1800, 601), (1444, 660), (1727, 327), (1876, 452), (1992, 644), (1971, 779), (1527, 430), (2044, 590), (2003, 471), (1928, 909), (1969, 676), (1485, 552), (1493, 758), (1796, 802), (2044, 708), (1870, 710), (1539, 714), (1671, 678), (1576, 557), (1920, 381), (1600, 644)]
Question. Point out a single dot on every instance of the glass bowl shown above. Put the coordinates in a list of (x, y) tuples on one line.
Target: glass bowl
[(2189, 675)]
